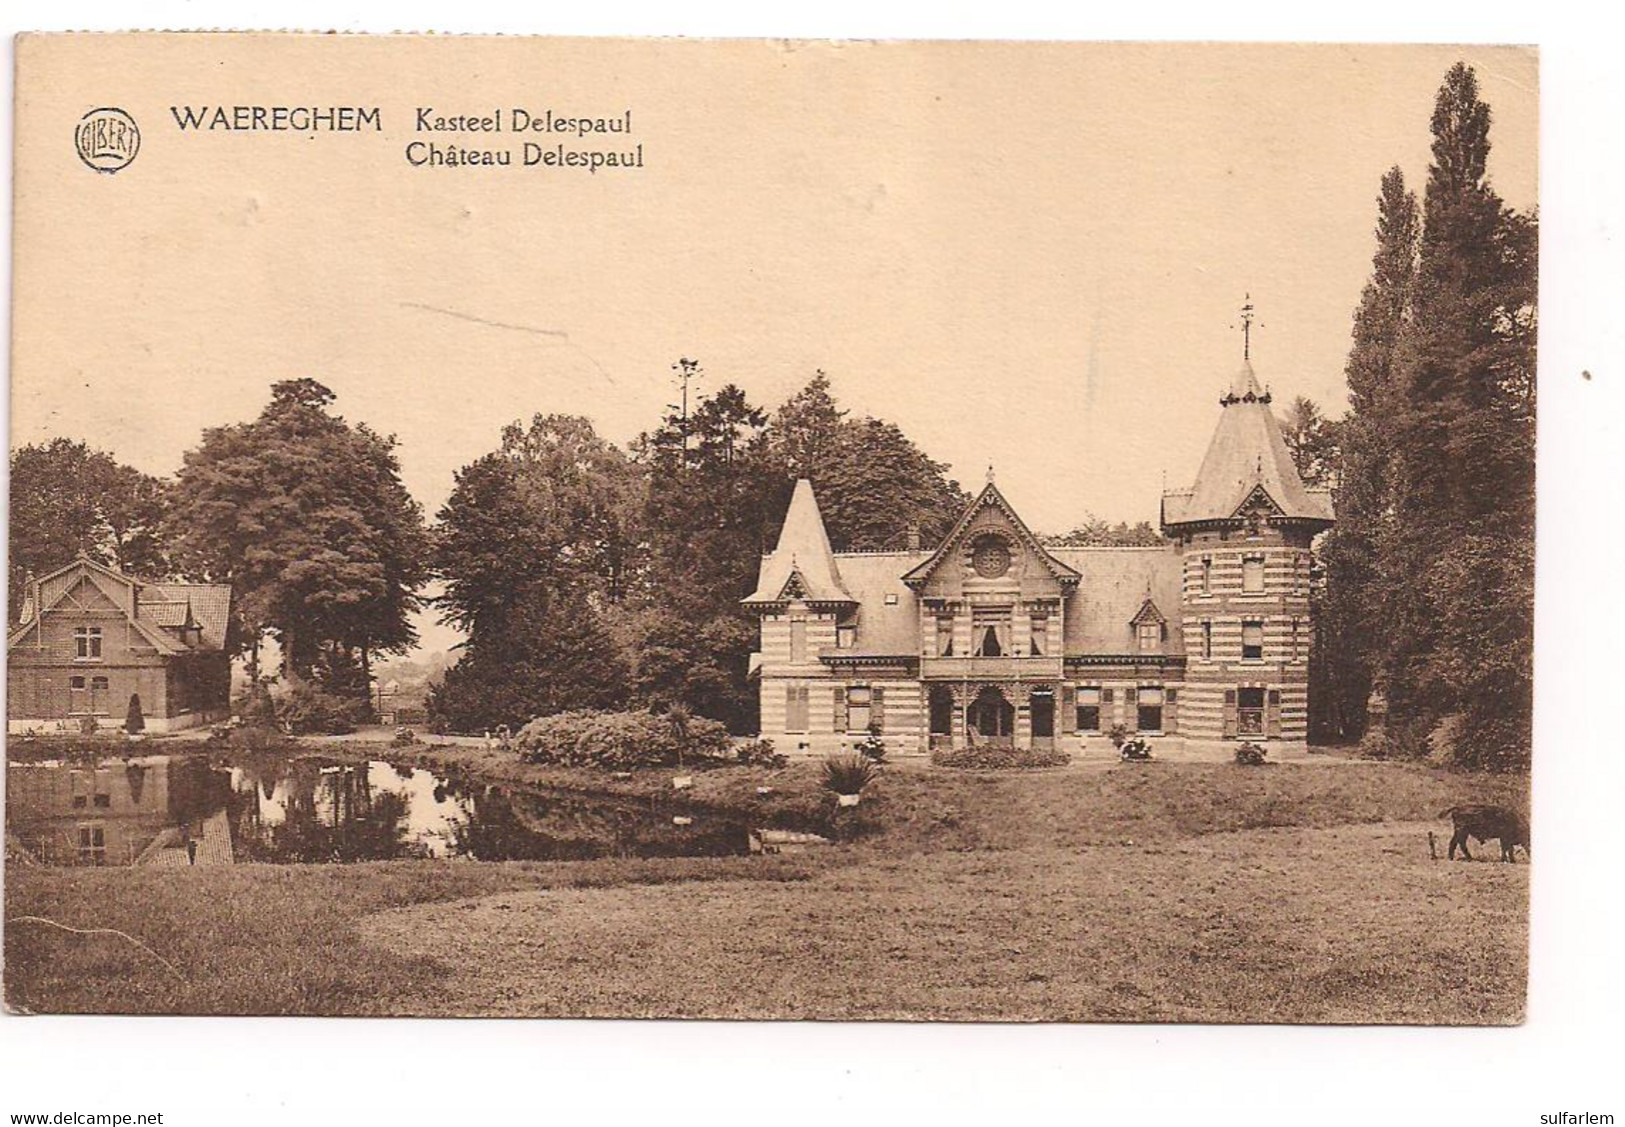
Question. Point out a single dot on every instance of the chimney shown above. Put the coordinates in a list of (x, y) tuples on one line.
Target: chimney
[(913, 537)]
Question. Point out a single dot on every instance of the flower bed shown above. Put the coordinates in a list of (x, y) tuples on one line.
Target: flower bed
[(999, 758)]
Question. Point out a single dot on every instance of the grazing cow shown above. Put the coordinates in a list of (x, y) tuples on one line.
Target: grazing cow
[(1482, 822)]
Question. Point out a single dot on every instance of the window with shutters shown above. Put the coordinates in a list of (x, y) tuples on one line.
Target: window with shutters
[(877, 710), (1272, 714), (1088, 709), (1252, 575), (1250, 712), (857, 708), (1252, 640), (1130, 695), (795, 709), (1149, 708), (1170, 713)]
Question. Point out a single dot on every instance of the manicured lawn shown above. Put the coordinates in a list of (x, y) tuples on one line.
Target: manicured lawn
[(1300, 892)]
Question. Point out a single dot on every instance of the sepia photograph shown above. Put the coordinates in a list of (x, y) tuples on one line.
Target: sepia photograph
[(1016, 532)]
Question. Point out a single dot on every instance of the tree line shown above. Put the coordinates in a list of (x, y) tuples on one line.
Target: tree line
[(587, 576)]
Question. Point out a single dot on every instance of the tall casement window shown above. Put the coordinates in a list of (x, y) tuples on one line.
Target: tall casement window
[(1295, 651), (1040, 635), (795, 709), (945, 635), (1207, 575), (846, 637), (798, 641), (87, 643), (990, 632), (1088, 709), (78, 694), (1252, 640), (1150, 635), (1149, 715), (1207, 641), (98, 695), (858, 700), (1252, 575)]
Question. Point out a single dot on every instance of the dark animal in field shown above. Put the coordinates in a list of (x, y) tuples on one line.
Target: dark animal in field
[(1482, 822)]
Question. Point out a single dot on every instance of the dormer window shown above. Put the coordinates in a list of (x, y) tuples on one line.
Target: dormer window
[(1150, 635), (846, 637)]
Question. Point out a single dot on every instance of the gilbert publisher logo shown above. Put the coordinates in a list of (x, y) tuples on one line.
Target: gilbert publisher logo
[(107, 139)]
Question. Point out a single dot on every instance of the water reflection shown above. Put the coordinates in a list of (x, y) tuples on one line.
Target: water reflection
[(186, 810)]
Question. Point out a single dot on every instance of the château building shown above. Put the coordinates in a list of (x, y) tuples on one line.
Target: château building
[(992, 637)]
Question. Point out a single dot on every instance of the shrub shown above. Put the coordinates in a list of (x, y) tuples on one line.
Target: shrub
[(760, 753), (873, 748), (619, 740), (1118, 734), (308, 711), (1250, 755), (848, 774), (404, 738), (134, 722), (1135, 751), (250, 737), (999, 758)]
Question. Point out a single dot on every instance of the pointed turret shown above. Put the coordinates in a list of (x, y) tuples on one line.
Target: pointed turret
[(1247, 454), (803, 564)]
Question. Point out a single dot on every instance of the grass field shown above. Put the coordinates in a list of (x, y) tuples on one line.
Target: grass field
[(1300, 892)]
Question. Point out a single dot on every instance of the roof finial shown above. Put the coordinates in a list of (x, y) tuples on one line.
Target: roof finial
[(990, 473), (1247, 327)]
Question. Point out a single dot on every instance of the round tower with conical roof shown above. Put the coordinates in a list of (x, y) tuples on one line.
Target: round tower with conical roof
[(1243, 530)]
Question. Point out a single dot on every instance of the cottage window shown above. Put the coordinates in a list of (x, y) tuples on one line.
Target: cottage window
[(1150, 708), (92, 841), (1252, 640), (1252, 575), (1150, 637), (1207, 575), (795, 709), (990, 632), (98, 695), (798, 640), (87, 643), (1250, 712), (78, 695), (1207, 641), (945, 635), (857, 708), (1088, 709)]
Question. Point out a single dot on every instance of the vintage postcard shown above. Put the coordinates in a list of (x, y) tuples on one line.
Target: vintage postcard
[(974, 531)]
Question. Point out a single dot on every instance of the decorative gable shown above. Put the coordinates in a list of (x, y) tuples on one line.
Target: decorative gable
[(990, 540), (1148, 612)]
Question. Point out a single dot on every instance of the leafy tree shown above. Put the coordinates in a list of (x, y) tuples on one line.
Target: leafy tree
[(67, 498), (305, 515), (555, 510), (1312, 440), (552, 655), (1463, 458), (1097, 533), (1346, 605)]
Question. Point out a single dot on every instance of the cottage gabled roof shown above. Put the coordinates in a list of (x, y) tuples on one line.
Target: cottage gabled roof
[(159, 607), (802, 566), (1247, 453), (990, 497)]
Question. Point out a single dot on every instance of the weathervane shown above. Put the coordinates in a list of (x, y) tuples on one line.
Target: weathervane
[(1247, 327)]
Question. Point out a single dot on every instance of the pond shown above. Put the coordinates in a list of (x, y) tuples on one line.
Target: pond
[(193, 809)]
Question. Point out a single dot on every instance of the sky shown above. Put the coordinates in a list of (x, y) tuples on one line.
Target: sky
[(1028, 256)]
